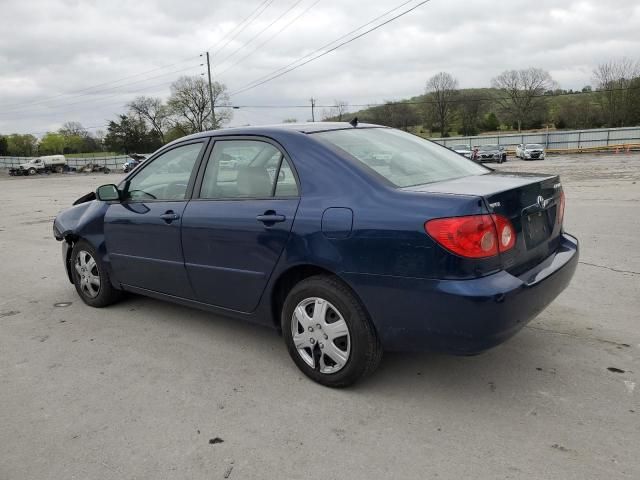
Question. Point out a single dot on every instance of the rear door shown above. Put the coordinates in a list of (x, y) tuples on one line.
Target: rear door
[(236, 227), (142, 233)]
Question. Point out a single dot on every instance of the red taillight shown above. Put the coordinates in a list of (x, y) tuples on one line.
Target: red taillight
[(560, 213), (473, 236)]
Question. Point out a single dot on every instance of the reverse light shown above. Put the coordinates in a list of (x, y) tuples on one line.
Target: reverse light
[(473, 236)]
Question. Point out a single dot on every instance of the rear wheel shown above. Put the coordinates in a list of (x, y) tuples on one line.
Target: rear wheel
[(90, 276), (59, 169), (328, 333), (32, 171)]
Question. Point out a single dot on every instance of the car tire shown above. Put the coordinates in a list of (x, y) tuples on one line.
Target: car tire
[(345, 348), (59, 169), (90, 276), (32, 171)]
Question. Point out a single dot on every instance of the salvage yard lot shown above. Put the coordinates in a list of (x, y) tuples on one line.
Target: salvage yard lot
[(141, 389)]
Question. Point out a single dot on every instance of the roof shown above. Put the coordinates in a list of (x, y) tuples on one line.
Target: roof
[(310, 127)]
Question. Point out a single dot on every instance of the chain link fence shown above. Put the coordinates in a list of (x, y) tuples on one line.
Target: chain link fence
[(111, 162), (558, 141)]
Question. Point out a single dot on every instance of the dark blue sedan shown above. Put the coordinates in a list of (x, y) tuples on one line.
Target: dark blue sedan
[(350, 239)]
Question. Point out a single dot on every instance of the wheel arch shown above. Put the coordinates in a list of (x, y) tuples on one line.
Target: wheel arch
[(293, 275)]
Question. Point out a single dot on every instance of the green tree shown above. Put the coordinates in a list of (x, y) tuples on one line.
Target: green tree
[(22, 145), (4, 145), (52, 143), (491, 122), (469, 110), (130, 135)]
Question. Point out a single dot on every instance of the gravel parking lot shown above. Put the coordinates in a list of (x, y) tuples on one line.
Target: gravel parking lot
[(151, 390)]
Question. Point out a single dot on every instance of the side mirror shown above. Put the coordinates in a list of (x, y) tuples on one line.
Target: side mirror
[(108, 193)]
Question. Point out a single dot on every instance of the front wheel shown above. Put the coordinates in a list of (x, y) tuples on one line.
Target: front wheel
[(90, 276), (328, 333), (32, 171)]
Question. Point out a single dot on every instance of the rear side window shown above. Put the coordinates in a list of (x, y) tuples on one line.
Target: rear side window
[(403, 159), (247, 169)]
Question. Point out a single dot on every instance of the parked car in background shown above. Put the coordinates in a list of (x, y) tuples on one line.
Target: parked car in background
[(530, 151), (46, 164), (350, 239), (491, 153), (462, 150), (135, 159)]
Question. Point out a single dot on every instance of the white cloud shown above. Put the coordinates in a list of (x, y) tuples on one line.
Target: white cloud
[(51, 47)]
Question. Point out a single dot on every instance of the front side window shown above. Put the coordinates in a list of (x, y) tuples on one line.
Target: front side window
[(247, 169), (166, 177), (403, 159)]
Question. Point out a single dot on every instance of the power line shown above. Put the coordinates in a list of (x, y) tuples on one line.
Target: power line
[(48, 99), (14, 111), (94, 87), (432, 102), (287, 25), (244, 45), (266, 3), (373, 105), (292, 66), (145, 88)]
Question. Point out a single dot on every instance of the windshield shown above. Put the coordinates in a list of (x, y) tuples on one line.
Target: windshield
[(403, 159), (487, 148), (533, 146), (460, 147)]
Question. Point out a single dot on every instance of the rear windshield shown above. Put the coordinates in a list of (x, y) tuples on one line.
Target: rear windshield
[(403, 159)]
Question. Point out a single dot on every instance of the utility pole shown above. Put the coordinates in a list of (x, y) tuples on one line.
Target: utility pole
[(313, 106), (213, 114)]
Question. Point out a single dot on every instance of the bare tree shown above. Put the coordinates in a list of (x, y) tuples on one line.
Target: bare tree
[(522, 90), (613, 79), (191, 108), (340, 107), (70, 129), (442, 88), (153, 111), (337, 112)]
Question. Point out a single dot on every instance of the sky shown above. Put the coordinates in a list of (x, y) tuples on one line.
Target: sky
[(83, 60)]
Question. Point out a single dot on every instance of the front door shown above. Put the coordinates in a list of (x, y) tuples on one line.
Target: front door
[(142, 233), (235, 231)]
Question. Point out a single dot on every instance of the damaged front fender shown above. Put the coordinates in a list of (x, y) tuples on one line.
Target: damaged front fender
[(85, 219)]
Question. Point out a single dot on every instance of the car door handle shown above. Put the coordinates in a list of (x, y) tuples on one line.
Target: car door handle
[(269, 217), (169, 216)]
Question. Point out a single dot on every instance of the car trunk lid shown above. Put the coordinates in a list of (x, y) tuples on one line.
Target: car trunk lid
[(530, 201)]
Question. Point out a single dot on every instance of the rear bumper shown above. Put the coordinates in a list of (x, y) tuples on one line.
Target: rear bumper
[(463, 317)]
